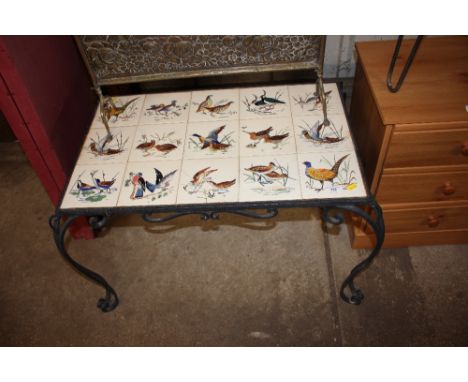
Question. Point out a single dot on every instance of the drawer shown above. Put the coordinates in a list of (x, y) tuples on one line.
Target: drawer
[(426, 219), (430, 147), (423, 187)]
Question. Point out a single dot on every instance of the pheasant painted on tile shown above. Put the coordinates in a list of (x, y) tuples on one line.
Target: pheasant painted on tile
[(111, 110), (323, 174)]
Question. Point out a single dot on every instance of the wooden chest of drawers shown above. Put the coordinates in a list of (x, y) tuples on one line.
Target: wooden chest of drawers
[(414, 143)]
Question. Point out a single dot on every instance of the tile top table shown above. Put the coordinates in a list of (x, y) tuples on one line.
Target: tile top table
[(218, 146), (224, 150)]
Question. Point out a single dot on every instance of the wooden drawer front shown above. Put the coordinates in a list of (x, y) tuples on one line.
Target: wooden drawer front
[(423, 187), (427, 219), (428, 148)]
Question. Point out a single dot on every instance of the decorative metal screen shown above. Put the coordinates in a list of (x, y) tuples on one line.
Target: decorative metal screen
[(124, 59)]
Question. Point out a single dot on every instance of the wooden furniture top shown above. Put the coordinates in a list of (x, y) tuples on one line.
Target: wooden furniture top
[(436, 87)]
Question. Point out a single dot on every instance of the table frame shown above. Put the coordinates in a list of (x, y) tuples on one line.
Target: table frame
[(366, 208)]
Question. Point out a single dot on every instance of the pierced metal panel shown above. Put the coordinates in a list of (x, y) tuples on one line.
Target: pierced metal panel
[(124, 59)]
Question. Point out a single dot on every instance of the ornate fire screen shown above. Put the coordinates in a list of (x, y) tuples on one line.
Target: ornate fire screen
[(128, 59)]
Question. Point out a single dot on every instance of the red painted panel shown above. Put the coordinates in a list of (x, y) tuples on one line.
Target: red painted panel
[(46, 96)]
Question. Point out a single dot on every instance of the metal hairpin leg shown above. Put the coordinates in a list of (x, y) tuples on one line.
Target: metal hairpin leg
[(408, 63), (377, 224), (111, 300)]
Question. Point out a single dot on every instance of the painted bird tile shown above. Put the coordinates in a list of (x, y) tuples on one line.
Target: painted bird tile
[(93, 186), (150, 183), (330, 175), (153, 142), (120, 111), (266, 136), (219, 139), (214, 105), (264, 102), (165, 108), (209, 181), (313, 135), (99, 147), (304, 100), (269, 178)]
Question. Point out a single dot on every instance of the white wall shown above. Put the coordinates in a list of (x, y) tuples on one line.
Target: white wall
[(340, 55)]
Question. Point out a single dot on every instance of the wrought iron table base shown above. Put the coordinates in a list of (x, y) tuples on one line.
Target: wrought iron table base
[(110, 301)]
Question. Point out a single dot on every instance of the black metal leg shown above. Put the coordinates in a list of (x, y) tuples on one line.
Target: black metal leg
[(111, 300), (378, 227)]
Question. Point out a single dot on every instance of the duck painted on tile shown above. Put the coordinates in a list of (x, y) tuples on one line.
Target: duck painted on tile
[(318, 133), (212, 140)]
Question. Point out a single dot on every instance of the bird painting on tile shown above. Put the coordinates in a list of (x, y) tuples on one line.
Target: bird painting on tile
[(321, 133), (266, 136), (158, 145), (107, 145), (311, 101), (94, 188), (149, 188), (116, 109), (338, 175), (263, 103), (207, 186), (215, 141), (210, 107), (165, 111), (268, 178)]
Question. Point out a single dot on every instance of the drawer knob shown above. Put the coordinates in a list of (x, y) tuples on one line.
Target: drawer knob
[(448, 189), (432, 221), (465, 148)]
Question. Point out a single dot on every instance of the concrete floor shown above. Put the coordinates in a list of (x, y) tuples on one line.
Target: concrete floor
[(194, 283)]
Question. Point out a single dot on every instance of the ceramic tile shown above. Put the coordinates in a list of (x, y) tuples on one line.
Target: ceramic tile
[(98, 149), (150, 183), (313, 136), (269, 178), (269, 101), (266, 136), (214, 105), (209, 181), (121, 111), (154, 142), (341, 173), (212, 140), (93, 186), (165, 108), (305, 102)]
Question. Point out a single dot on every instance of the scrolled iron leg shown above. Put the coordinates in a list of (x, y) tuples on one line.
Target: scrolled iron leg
[(377, 224), (111, 300)]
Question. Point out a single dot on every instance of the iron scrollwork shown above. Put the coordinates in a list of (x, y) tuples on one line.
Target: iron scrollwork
[(377, 224), (110, 301), (212, 215)]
